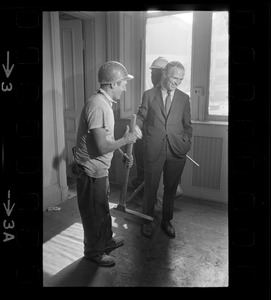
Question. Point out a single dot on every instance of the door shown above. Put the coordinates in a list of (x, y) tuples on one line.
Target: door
[(73, 79)]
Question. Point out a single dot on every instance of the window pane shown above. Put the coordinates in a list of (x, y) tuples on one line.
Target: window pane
[(170, 37), (218, 89)]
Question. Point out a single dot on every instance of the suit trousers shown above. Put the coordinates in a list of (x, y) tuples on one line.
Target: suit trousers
[(92, 198), (172, 167)]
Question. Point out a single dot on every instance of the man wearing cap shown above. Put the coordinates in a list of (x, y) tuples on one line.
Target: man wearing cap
[(156, 68), (93, 153), (165, 114)]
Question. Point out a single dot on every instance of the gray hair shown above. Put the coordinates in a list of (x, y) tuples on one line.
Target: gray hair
[(172, 64)]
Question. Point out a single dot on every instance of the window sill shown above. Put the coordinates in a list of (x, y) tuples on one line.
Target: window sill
[(221, 123)]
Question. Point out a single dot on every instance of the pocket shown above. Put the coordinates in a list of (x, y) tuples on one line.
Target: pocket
[(180, 147), (74, 170), (186, 146)]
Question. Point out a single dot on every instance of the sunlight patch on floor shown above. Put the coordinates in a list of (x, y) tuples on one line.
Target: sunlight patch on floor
[(114, 224), (63, 249), (112, 205), (67, 246)]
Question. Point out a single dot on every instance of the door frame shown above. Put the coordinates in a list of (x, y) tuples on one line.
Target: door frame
[(94, 39), (58, 103), (95, 46)]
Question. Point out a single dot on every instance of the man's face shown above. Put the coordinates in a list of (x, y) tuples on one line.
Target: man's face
[(173, 78), (118, 88), (156, 75)]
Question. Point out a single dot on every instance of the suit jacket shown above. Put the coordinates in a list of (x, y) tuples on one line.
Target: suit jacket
[(176, 127)]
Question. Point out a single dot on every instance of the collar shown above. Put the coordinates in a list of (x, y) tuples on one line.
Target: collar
[(164, 91), (111, 101)]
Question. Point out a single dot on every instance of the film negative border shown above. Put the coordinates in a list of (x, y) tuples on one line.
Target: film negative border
[(249, 141), (249, 137), (21, 97)]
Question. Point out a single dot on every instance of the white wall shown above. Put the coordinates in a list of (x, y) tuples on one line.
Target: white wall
[(49, 174), (55, 187)]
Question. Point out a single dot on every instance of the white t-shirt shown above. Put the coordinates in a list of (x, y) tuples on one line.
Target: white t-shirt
[(97, 113)]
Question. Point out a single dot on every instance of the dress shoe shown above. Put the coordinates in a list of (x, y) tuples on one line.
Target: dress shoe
[(114, 243), (146, 229), (168, 229), (103, 260)]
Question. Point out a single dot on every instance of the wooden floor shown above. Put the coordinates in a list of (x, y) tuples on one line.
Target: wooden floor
[(197, 257)]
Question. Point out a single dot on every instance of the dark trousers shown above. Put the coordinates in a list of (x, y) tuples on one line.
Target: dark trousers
[(172, 167), (92, 197)]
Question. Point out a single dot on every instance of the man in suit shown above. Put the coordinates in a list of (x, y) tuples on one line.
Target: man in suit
[(156, 68), (165, 114)]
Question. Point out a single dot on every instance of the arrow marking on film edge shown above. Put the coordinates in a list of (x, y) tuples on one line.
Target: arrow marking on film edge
[(7, 208), (7, 69)]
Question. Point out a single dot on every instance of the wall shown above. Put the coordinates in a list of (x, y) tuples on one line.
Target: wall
[(125, 43), (55, 187)]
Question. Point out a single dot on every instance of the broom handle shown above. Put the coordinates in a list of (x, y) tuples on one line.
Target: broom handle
[(192, 160), (123, 194), (132, 129)]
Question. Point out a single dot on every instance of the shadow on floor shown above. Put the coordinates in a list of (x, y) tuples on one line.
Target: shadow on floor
[(83, 273)]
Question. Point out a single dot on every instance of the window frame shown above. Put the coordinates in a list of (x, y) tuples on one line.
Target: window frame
[(208, 116), (200, 62)]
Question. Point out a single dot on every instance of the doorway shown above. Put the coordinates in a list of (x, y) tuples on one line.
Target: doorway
[(168, 27), (72, 58), (83, 51)]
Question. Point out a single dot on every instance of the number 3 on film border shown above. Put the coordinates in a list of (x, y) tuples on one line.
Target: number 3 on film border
[(7, 70), (7, 88)]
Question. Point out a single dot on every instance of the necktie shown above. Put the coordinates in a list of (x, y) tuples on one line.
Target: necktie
[(168, 102)]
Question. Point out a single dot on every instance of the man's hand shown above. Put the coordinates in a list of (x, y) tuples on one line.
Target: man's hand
[(128, 161), (129, 137)]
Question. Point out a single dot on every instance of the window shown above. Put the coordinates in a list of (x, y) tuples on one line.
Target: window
[(199, 40), (218, 81), (169, 36)]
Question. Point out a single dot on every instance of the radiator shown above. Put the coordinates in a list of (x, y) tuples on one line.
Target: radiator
[(208, 154)]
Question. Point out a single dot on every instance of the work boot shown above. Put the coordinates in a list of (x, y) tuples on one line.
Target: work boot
[(115, 242), (103, 260)]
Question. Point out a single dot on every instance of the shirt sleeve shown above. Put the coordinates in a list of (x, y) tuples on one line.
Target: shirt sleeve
[(95, 117)]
